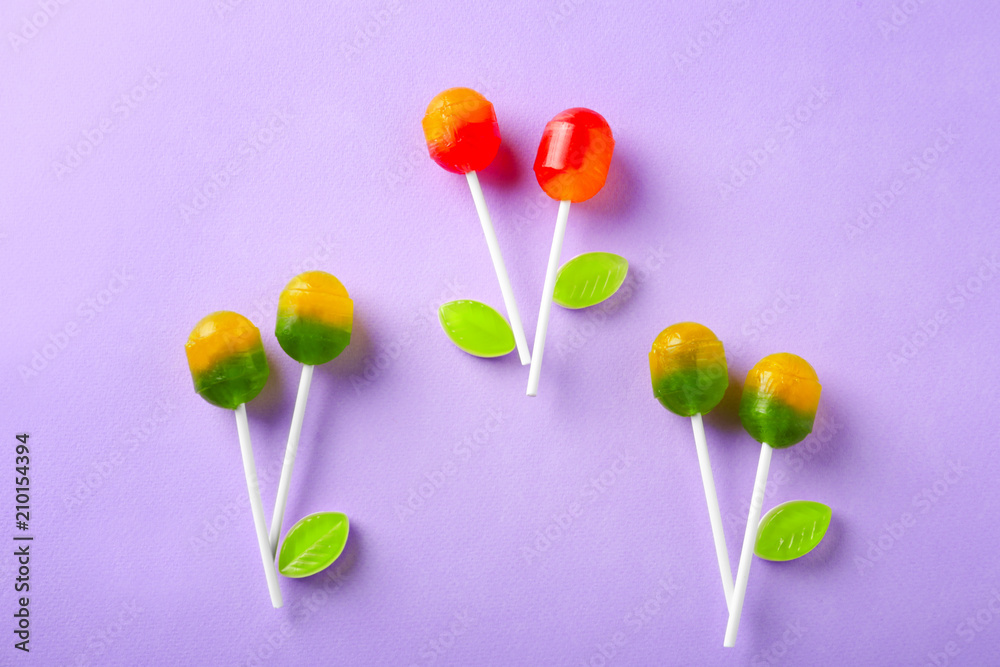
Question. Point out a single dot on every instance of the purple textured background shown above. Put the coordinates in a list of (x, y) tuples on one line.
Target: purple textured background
[(310, 129)]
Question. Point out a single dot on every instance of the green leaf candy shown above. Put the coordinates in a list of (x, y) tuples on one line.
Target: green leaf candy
[(791, 530), (312, 544), (588, 279), (476, 328)]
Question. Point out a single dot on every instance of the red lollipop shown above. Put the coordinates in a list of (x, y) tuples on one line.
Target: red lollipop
[(571, 166), (462, 136)]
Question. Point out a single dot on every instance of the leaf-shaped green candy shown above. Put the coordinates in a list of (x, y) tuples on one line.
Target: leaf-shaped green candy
[(476, 328), (791, 530), (589, 279), (312, 544)]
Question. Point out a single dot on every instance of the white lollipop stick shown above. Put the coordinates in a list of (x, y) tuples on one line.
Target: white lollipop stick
[(298, 414), (714, 515), (243, 428), (498, 266), (749, 537), (547, 291)]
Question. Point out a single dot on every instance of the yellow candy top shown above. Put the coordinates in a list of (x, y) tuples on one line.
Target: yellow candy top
[(673, 347), (320, 297), (682, 333), (219, 336), (452, 109), (788, 378)]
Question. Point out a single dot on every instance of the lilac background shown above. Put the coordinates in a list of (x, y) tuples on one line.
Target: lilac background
[(131, 469)]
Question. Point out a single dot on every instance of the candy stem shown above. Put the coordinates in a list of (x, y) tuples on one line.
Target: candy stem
[(298, 414), (749, 537), (547, 291), (498, 266), (714, 515), (253, 490)]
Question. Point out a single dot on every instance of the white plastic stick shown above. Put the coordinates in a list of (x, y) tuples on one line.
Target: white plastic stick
[(298, 414), (547, 291), (505, 288), (243, 428), (714, 515), (749, 537)]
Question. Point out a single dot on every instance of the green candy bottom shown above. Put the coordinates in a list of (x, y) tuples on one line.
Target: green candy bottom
[(234, 381), (772, 421), (308, 341), (692, 391)]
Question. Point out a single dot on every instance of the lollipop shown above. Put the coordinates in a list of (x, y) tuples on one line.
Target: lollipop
[(571, 166), (688, 368), (315, 317), (778, 408), (227, 364), (463, 137)]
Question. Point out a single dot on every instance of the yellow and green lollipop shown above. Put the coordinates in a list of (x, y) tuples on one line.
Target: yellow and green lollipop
[(779, 400), (226, 358), (688, 367), (227, 363), (778, 408), (315, 319)]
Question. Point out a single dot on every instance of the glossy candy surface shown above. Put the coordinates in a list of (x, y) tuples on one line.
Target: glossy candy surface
[(574, 155), (588, 279), (791, 530), (461, 130), (476, 328), (688, 368), (779, 400), (315, 318), (226, 358), (313, 543)]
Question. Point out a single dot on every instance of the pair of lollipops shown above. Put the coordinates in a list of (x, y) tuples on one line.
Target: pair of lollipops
[(227, 362), (571, 165), (778, 406)]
